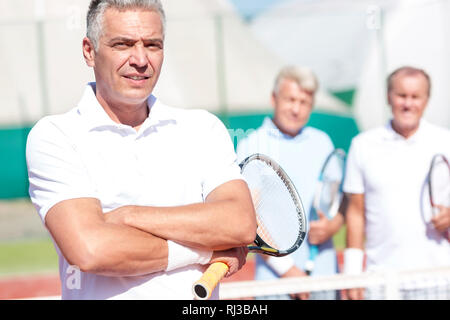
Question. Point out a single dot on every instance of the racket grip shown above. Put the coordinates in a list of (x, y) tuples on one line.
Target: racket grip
[(203, 288)]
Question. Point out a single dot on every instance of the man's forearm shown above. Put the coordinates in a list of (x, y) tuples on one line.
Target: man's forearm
[(355, 231), (336, 223), (354, 253), (114, 250), (132, 253), (89, 242), (221, 223), (204, 226), (355, 221)]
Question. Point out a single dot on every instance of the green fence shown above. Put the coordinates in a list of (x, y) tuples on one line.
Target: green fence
[(13, 171), (341, 129)]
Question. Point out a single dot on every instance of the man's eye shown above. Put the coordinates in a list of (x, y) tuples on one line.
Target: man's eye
[(154, 46), (120, 45)]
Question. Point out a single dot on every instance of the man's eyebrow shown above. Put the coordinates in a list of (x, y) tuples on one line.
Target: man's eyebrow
[(125, 39), (154, 40)]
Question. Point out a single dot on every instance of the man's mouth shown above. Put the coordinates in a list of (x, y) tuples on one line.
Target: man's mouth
[(137, 78)]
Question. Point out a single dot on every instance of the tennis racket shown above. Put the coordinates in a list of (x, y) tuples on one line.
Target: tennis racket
[(439, 185), (328, 195), (280, 217)]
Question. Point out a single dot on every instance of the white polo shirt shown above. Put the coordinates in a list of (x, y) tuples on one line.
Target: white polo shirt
[(391, 171), (176, 158)]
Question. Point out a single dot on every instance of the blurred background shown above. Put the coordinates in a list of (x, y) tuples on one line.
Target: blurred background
[(220, 55)]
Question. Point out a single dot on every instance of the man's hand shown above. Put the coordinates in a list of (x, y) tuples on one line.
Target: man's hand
[(296, 272), (441, 221), (234, 258), (320, 230), (353, 294)]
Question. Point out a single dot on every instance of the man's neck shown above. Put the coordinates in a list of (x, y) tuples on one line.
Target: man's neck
[(404, 132), (132, 115), (292, 134)]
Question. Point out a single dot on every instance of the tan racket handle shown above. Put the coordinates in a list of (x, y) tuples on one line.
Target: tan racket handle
[(203, 288)]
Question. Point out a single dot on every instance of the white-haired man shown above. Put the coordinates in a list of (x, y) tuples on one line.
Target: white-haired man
[(385, 178), (138, 197), (301, 151)]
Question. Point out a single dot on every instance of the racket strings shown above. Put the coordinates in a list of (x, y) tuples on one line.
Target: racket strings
[(264, 233), (259, 202), (274, 205), (439, 182), (329, 190)]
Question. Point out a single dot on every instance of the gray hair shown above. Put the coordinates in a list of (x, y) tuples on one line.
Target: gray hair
[(408, 71), (304, 77), (97, 9)]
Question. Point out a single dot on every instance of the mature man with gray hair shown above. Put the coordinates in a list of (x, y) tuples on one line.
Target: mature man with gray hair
[(301, 151), (138, 197), (389, 225)]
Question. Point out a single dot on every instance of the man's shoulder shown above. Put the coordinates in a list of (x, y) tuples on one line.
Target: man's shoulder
[(437, 130), (249, 136), (316, 133), (200, 116), (370, 135), (51, 125)]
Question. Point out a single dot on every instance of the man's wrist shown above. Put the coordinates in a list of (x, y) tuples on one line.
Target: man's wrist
[(180, 256), (280, 265), (353, 261)]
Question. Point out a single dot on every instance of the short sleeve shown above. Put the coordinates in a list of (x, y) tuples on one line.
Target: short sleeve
[(220, 162), (242, 149), (354, 178), (55, 169)]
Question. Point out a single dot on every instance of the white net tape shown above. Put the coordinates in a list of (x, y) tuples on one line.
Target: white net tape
[(421, 284)]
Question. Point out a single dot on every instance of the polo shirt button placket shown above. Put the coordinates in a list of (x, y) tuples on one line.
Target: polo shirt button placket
[(136, 155)]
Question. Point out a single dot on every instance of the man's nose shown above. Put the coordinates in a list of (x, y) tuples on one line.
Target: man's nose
[(296, 106), (138, 56), (409, 101)]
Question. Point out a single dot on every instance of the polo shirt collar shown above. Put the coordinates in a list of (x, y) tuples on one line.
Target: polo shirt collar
[(391, 134), (96, 117), (270, 127)]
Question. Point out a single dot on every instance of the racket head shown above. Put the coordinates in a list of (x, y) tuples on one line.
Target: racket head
[(329, 193), (439, 182), (279, 210)]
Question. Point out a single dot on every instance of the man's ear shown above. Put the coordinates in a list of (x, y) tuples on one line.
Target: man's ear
[(388, 99), (89, 52), (273, 98)]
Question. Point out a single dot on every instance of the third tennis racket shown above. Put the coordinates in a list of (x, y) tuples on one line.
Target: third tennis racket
[(439, 185)]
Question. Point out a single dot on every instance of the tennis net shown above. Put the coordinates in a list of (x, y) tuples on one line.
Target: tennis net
[(424, 284)]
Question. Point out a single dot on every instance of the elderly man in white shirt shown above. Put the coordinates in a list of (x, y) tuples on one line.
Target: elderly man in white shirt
[(385, 179), (138, 197)]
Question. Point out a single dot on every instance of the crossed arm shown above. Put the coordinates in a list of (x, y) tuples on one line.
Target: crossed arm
[(132, 240)]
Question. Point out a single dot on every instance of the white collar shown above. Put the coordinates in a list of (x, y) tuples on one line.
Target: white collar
[(96, 117), (391, 134), (270, 127)]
